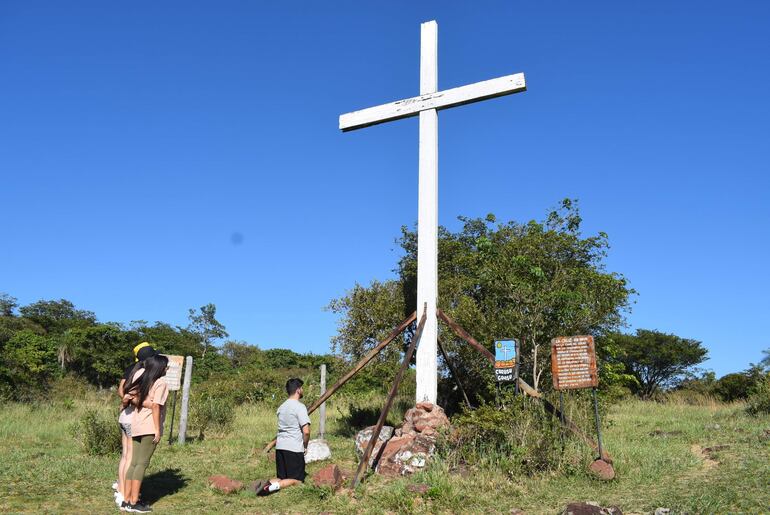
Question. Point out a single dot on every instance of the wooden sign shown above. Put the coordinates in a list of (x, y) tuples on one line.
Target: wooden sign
[(505, 360), (174, 372), (573, 363)]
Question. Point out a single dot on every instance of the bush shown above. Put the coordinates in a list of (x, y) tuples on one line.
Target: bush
[(733, 387), (758, 402), (68, 388), (518, 438), (212, 413), (98, 434)]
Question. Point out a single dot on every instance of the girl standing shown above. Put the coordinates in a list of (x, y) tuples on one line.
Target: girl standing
[(146, 426), (141, 352)]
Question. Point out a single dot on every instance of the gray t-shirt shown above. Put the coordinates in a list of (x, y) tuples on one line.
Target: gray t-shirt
[(292, 415)]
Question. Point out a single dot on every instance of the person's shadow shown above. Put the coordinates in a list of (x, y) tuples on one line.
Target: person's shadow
[(160, 484)]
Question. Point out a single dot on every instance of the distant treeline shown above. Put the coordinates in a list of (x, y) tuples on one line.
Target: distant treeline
[(49, 339)]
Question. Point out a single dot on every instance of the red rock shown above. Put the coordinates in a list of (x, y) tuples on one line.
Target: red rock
[(363, 437), (427, 406), (406, 455), (420, 488), (225, 484), (330, 476), (602, 470)]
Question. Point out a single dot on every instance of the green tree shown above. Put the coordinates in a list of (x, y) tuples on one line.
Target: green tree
[(732, 387), (7, 305), (27, 362), (205, 324), (531, 281), (100, 352), (56, 316), (657, 360)]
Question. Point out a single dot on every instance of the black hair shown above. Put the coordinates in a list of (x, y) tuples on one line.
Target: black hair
[(293, 384), (154, 369)]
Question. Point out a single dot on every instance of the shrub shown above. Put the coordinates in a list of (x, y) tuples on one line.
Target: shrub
[(68, 388), (212, 413), (98, 434), (758, 402), (733, 387), (517, 438)]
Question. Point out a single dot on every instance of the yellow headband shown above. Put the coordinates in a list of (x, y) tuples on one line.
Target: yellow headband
[(138, 348)]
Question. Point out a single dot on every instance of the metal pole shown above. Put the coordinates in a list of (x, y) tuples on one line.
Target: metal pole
[(173, 413), (598, 424), (185, 400), (518, 357), (322, 423)]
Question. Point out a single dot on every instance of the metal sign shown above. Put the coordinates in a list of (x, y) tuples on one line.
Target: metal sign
[(174, 372), (505, 360), (573, 363)]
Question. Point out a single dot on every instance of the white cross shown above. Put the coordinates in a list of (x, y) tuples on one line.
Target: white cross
[(426, 105)]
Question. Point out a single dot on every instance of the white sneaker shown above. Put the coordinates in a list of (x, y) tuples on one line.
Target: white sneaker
[(115, 486), (119, 499)]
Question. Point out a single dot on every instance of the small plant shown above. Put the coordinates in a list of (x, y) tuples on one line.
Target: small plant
[(758, 402), (98, 434), (212, 413)]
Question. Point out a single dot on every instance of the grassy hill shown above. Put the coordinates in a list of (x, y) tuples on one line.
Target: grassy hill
[(694, 459)]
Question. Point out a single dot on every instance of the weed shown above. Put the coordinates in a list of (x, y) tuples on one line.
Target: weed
[(98, 434)]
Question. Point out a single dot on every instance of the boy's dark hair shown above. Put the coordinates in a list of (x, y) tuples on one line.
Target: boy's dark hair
[(293, 384)]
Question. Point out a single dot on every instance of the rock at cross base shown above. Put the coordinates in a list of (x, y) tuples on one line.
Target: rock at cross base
[(425, 416), (406, 454), (225, 484), (329, 476), (317, 450), (363, 437), (602, 470), (590, 508)]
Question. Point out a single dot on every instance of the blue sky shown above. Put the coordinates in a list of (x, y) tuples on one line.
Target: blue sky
[(157, 156)]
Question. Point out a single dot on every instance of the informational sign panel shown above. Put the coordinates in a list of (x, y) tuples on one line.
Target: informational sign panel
[(505, 360), (174, 372), (573, 363)]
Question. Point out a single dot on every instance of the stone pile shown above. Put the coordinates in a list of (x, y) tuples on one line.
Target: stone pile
[(409, 448)]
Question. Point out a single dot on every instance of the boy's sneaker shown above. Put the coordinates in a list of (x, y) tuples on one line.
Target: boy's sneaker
[(119, 499), (262, 488), (115, 486), (123, 506), (139, 507)]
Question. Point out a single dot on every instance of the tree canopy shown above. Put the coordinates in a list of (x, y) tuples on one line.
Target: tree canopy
[(532, 281), (657, 360)]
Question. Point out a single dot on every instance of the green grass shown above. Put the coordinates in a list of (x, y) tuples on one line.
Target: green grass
[(43, 468)]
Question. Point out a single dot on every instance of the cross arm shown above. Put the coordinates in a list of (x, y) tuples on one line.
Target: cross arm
[(440, 100)]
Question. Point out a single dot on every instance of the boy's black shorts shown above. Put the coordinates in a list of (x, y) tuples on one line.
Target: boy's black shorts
[(290, 465)]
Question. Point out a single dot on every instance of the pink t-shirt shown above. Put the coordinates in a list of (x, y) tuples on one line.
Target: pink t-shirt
[(127, 413), (141, 420)]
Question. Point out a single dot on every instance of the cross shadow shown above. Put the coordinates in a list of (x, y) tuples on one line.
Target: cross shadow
[(160, 484)]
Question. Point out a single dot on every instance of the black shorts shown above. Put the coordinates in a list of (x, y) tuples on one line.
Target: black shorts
[(290, 465)]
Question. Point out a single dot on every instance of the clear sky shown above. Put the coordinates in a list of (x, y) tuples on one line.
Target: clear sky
[(157, 156)]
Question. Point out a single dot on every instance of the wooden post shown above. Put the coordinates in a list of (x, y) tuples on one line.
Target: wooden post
[(173, 414), (322, 423), (185, 400), (550, 408), (389, 402), (361, 364), (454, 373)]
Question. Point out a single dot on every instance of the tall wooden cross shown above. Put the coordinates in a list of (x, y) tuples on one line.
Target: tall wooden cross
[(427, 104)]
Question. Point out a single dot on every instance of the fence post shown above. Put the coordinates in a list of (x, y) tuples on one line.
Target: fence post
[(322, 423), (185, 399)]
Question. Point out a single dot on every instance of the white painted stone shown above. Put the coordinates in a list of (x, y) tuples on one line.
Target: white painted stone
[(317, 450)]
